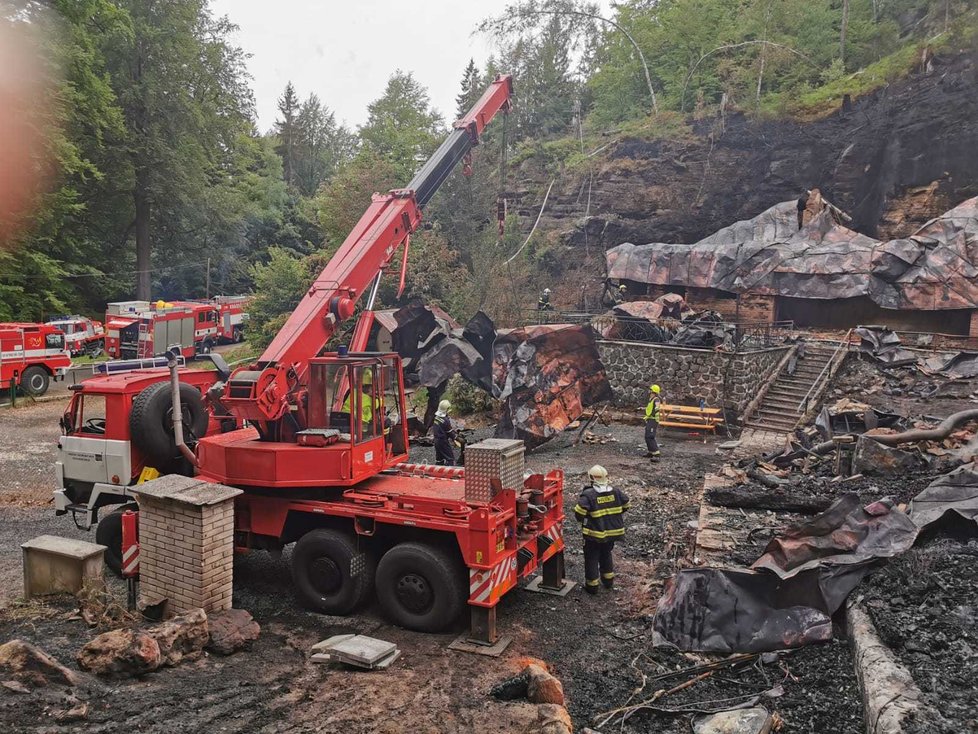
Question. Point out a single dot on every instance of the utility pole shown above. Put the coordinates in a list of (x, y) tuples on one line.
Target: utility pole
[(208, 287)]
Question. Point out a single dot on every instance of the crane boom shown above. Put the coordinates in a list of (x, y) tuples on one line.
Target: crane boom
[(261, 392)]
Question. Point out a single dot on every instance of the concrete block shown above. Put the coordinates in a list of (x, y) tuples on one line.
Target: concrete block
[(53, 565)]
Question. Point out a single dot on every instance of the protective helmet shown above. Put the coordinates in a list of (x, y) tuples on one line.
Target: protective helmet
[(598, 473), (546, 291), (655, 388), (444, 406), (367, 378), (622, 287)]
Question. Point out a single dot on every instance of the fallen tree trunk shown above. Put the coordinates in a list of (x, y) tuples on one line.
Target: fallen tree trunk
[(768, 499), (943, 430)]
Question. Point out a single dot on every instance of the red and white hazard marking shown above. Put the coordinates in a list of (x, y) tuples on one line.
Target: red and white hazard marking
[(483, 583), (130, 560)]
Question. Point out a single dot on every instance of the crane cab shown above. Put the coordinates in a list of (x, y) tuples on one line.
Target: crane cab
[(352, 427)]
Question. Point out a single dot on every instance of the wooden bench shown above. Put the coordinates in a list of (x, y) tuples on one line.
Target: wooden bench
[(691, 417)]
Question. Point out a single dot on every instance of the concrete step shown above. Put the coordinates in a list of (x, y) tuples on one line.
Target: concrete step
[(766, 427), (787, 390), (776, 419), (780, 402)]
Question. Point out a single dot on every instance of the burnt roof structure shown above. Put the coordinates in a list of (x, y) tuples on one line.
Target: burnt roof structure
[(935, 268)]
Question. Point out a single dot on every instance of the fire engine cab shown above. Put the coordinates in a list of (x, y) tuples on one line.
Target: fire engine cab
[(31, 355), (82, 334), (141, 330)]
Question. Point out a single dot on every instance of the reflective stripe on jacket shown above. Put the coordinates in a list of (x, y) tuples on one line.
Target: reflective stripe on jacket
[(600, 511), (653, 410)]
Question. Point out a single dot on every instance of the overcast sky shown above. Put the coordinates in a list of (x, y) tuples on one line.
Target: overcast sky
[(345, 51)]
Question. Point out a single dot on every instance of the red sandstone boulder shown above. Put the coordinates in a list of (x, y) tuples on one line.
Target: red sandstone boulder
[(182, 637), (121, 652), (27, 665), (231, 630)]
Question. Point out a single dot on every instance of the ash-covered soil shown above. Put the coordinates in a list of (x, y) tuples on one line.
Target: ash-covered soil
[(273, 688), (904, 390), (924, 605)]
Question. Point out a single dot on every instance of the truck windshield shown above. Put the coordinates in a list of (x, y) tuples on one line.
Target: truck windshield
[(90, 414), (54, 341)]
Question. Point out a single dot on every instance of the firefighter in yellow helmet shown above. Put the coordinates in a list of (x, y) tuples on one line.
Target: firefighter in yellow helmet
[(653, 413), (367, 404), (601, 512)]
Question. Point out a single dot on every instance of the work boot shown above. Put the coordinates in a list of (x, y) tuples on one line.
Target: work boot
[(608, 583), (591, 588)]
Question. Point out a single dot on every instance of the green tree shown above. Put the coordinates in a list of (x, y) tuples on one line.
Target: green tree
[(56, 258), (286, 128), (402, 128), (322, 146), (187, 107)]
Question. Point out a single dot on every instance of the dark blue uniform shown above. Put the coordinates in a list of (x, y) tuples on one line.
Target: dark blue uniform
[(444, 436), (601, 512)]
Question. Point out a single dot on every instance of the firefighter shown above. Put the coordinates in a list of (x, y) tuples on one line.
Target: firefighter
[(544, 303), (444, 435), (367, 406), (600, 510), (653, 413)]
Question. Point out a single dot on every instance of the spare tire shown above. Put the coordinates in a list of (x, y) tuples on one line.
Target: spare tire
[(151, 422)]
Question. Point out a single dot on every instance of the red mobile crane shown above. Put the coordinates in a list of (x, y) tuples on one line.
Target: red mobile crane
[(323, 461)]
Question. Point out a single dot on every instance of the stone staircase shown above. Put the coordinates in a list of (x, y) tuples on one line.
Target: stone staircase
[(782, 406)]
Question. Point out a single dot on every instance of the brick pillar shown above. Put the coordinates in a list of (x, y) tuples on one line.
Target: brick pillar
[(186, 542)]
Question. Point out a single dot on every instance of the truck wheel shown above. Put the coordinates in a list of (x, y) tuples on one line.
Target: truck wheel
[(151, 426), (238, 335), (330, 573), (108, 532), (420, 587), (35, 380), (206, 346)]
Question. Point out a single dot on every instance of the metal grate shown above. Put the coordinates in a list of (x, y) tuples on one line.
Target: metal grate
[(494, 458)]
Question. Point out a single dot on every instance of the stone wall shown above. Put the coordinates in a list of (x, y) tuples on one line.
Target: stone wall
[(686, 375)]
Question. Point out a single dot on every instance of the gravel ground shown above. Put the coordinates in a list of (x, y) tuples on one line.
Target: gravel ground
[(28, 448), (924, 605)]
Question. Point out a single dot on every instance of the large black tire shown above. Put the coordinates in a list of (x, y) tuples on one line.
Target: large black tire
[(108, 532), (35, 380), (205, 347), (330, 573), (151, 426), (421, 587)]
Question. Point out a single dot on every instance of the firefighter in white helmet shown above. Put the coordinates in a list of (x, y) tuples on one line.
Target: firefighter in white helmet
[(601, 512), (544, 304), (444, 435)]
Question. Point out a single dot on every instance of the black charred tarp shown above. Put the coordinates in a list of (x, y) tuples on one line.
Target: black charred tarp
[(956, 366), (415, 330), (884, 346), (546, 376), (954, 494), (788, 596), (935, 268)]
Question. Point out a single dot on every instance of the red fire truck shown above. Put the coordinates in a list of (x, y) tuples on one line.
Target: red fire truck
[(141, 330), (323, 462), (82, 334), (31, 355)]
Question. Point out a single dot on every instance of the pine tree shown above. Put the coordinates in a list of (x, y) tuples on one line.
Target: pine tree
[(472, 88), (286, 129)]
